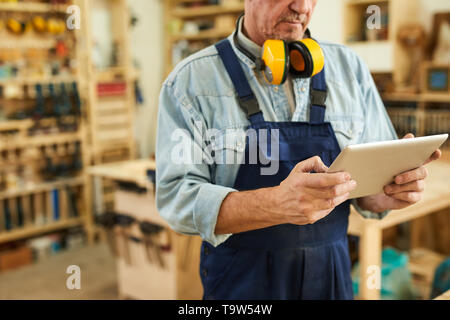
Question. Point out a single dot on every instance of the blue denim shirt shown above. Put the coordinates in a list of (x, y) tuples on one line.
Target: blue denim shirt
[(198, 95)]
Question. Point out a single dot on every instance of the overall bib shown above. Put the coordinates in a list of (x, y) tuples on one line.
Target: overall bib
[(285, 261)]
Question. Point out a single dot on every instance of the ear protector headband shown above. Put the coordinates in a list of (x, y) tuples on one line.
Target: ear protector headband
[(302, 59)]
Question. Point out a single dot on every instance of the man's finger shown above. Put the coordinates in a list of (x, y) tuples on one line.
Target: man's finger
[(331, 192), (325, 204), (324, 180), (408, 136), (415, 186), (435, 156), (410, 197), (413, 175), (312, 164)]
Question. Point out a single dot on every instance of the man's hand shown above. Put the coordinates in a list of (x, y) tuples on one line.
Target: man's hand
[(305, 197), (406, 190)]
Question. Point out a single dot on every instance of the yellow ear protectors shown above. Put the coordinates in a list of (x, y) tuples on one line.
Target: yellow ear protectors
[(306, 58), (15, 26), (39, 24), (275, 59), (56, 26), (303, 59)]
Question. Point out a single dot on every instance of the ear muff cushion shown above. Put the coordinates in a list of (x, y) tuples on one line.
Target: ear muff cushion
[(307, 58), (276, 61), (301, 60)]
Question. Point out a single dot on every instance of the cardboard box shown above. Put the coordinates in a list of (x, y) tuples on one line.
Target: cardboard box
[(15, 258)]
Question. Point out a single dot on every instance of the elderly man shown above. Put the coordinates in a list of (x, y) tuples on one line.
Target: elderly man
[(273, 228)]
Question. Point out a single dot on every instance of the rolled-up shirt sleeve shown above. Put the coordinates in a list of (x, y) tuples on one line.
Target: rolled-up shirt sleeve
[(185, 195)]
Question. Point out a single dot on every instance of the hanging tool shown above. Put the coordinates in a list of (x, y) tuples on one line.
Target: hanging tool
[(65, 100), (7, 213), (77, 164), (54, 100), (108, 221), (125, 222), (72, 202), (76, 99), (39, 111), (20, 215), (149, 231)]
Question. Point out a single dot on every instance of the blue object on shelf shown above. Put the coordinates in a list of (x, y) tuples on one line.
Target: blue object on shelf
[(441, 282), (395, 276), (151, 175)]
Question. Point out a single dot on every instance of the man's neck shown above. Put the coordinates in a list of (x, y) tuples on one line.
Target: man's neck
[(250, 33)]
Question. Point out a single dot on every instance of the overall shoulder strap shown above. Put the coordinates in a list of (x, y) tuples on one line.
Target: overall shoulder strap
[(318, 98), (247, 99)]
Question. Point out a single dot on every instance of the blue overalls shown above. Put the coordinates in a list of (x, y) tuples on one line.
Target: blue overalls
[(285, 261)]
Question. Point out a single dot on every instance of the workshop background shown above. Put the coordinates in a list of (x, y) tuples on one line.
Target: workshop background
[(79, 90)]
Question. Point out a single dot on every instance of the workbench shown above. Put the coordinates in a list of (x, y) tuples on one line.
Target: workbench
[(138, 276), (436, 197), (444, 296)]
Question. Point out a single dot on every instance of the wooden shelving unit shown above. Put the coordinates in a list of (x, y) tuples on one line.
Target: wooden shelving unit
[(419, 113), (221, 18), (111, 118), (35, 7), (29, 147), (207, 10), (395, 57), (33, 231)]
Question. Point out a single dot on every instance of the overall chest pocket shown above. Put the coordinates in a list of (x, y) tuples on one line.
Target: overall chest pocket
[(228, 146), (228, 153), (348, 131)]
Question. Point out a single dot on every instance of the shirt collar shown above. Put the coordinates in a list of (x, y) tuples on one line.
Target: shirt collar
[(245, 42)]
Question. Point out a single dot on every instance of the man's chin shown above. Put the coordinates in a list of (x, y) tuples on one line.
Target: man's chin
[(290, 33)]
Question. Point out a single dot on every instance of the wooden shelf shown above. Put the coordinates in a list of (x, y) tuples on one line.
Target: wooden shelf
[(40, 140), (21, 43), (203, 35), (415, 97), (365, 2), (42, 187), (32, 231), (368, 43), (33, 7), (207, 10), (22, 140), (38, 80)]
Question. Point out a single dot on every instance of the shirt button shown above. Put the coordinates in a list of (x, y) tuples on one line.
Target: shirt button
[(239, 144), (275, 89), (303, 89), (350, 131), (205, 273)]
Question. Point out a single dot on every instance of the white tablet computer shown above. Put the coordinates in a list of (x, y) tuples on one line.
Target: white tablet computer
[(376, 164)]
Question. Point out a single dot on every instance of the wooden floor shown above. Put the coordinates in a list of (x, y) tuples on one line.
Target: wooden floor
[(47, 279)]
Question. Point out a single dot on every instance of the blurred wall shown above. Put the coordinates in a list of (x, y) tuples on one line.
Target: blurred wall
[(327, 21), (147, 49)]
